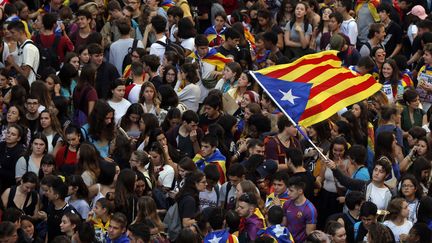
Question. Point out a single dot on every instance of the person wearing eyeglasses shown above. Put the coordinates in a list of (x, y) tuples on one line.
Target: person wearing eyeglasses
[(251, 220)]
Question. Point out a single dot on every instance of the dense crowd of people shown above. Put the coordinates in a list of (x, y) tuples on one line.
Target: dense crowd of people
[(131, 121)]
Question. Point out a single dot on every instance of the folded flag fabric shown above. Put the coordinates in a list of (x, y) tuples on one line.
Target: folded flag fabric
[(214, 37), (278, 233), (167, 5), (213, 57), (220, 236), (314, 87)]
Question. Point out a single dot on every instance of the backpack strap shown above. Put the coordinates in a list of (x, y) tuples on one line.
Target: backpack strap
[(217, 188), (57, 39), (27, 199), (85, 134), (38, 39), (55, 139), (11, 196), (368, 45), (228, 188), (27, 158), (356, 229), (134, 44), (162, 43), (65, 154)]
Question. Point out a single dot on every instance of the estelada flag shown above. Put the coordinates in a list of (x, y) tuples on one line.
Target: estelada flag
[(213, 57), (167, 5), (314, 87)]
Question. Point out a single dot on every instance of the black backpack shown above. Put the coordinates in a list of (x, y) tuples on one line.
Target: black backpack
[(174, 47), (128, 58), (48, 57)]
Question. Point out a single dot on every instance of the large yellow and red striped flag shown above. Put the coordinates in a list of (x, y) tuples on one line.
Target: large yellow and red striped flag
[(314, 87)]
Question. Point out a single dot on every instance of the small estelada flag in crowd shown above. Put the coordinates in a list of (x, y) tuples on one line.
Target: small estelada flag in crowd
[(314, 87), (167, 4), (213, 57), (220, 236)]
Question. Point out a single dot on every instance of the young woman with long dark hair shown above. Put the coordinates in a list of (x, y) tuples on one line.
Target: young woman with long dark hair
[(51, 128), (124, 200), (78, 195), (188, 91), (116, 99), (85, 96), (10, 151), (32, 160), (100, 129), (88, 163), (188, 197), (298, 32), (23, 196)]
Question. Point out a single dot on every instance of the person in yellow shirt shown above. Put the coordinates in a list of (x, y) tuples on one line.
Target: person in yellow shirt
[(101, 218), (11, 13), (184, 5)]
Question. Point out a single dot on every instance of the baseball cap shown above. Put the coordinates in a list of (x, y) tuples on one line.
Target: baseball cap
[(267, 168), (418, 11)]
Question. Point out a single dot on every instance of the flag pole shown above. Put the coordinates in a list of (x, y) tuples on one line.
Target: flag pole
[(289, 118)]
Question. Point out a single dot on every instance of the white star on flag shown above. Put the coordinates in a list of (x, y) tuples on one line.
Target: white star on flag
[(215, 239), (289, 96), (278, 230)]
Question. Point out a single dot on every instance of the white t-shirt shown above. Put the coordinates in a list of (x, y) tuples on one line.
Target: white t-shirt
[(231, 198), (133, 96), (158, 49), (120, 108), (189, 44), (166, 176), (206, 70), (411, 32), (21, 167), (189, 95), (349, 28), (119, 49), (378, 195), (50, 140), (173, 30), (208, 199), (28, 55), (399, 230)]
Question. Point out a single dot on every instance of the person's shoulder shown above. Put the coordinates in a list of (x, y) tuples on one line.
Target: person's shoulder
[(168, 168), (126, 102)]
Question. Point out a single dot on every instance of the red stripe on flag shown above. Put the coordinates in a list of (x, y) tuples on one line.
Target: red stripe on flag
[(281, 72), (337, 97), (313, 73), (335, 80), (217, 58)]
